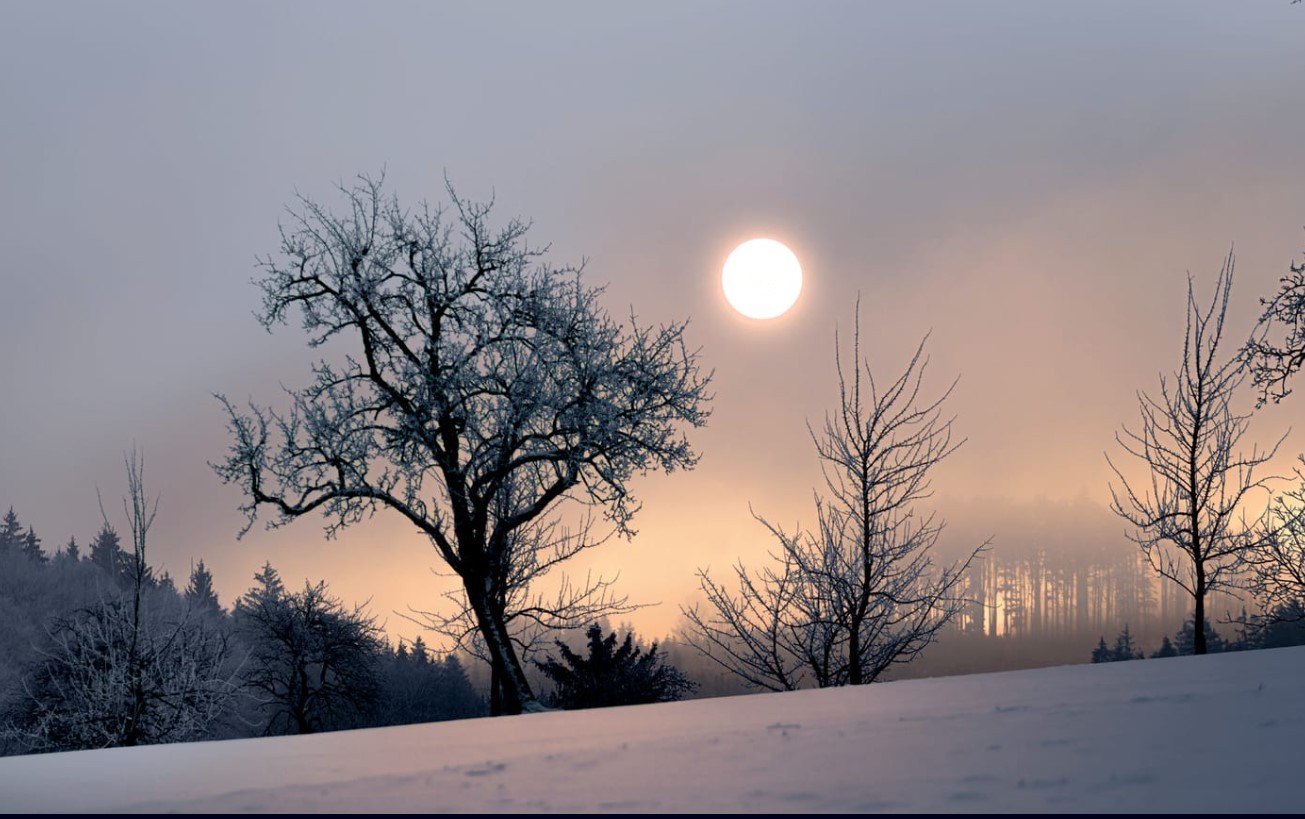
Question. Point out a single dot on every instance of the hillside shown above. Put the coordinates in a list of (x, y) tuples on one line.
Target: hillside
[(1217, 733)]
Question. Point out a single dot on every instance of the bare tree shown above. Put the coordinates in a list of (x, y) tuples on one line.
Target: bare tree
[(485, 386), (313, 664), (1276, 351), (1189, 515), (127, 670), (860, 593)]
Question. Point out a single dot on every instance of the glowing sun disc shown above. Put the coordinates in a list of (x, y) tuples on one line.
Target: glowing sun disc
[(762, 279)]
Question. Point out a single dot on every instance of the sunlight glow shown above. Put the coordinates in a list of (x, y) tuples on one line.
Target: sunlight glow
[(762, 279)]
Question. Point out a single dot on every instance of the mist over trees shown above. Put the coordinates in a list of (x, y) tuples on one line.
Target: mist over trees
[(103, 651), (484, 387)]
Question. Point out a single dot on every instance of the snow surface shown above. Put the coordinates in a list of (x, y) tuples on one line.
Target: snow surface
[(1193, 734)]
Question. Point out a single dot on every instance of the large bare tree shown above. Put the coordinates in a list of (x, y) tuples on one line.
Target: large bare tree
[(1190, 514), (483, 386), (840, 605)]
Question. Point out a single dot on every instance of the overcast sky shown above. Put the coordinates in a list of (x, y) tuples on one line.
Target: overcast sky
[(1032, 181)]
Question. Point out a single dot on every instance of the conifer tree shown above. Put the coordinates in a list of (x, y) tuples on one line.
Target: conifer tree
[(612, 675), (106, 550), (199, 591), (11, 533), (32, 547)]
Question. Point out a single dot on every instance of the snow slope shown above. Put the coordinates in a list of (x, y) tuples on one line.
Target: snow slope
[(1217, 733)]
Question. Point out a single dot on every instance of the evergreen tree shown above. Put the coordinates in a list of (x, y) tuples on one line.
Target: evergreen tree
[(200, 595), (1185, 639), (267, 588), (1283, 626), (72, 550), (419, 651), (1166, 649), (1125, 649), (106, 550), (421, 688), (1102, 653), (32, 547), (612, 675), (11, 533)]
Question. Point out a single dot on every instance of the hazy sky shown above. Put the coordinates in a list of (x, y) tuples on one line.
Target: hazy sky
[(1032, 181)]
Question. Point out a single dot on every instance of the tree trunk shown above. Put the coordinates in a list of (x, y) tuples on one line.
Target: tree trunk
[(512, 693), (1198, 628), (854, 654)]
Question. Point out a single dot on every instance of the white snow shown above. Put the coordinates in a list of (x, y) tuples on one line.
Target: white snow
[(1217, 733)]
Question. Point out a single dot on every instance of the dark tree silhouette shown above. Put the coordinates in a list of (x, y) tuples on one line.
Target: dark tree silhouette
[(1188, 514), (313, 664), (611, 674), (484, 387), (106, 550), (861, 593), (11, 533), (32, 547), (200, 595), (1276, 351)]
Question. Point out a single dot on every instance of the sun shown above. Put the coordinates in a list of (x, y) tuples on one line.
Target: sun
[(762, 279)]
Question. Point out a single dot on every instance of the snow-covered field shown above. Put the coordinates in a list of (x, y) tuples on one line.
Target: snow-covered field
[(1218, 733)]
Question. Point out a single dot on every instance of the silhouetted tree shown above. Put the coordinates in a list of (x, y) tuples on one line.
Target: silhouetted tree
[(1185, 514), (72, 551), (200, 595), (1103, 653), (1185, 640), (1166, 649), (1276, 351), (861, 593), (11, 533), (106, 550), (312, 664), (32, 547), (1124, 649), (485, 386), (267, 587), (612, 675)]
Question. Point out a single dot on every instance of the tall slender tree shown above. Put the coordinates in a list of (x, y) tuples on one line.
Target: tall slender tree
[(1188, 509)]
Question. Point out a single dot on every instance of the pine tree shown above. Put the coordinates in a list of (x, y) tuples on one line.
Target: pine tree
[(1102, 653), (11, 533), (419, 651), (1166, 649), (1125, 649), (267, 588), (200, 595), (611, 675), (106, 551), (72, 550), (1185, 639), (32, 547)]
